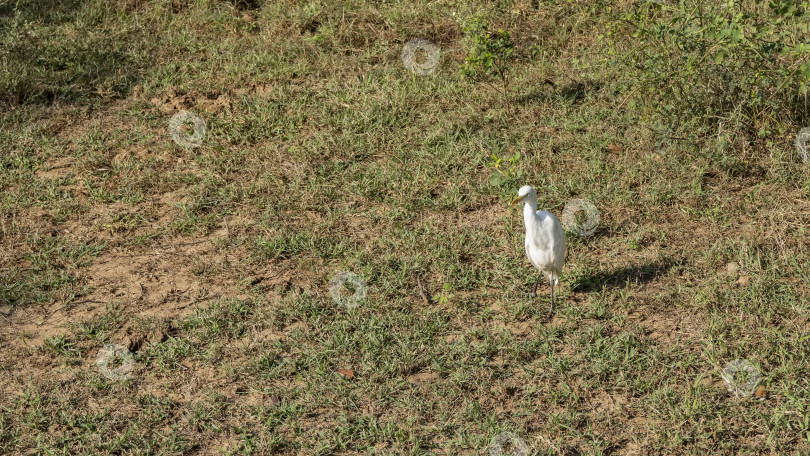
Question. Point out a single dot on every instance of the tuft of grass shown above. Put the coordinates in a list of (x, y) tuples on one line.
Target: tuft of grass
[(46, 270), (60, 345)]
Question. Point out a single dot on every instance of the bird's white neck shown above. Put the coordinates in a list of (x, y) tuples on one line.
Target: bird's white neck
[(530, 211)]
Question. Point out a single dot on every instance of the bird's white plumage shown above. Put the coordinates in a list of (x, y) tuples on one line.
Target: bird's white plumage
[(545, 240)]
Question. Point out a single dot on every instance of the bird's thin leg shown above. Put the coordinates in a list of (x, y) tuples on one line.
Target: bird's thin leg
[(552, 299), (534, 291)]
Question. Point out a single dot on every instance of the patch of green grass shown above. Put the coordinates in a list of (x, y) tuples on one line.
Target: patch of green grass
[(100, 327), (51, 57), (46, 271), (60, 346)]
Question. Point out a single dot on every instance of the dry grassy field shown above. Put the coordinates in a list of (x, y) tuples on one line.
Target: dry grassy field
[(282, 227)]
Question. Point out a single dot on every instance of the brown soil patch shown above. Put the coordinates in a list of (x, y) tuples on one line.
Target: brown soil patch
[(176, 100), (157, 281), (422, 377), (667, 327), (56, 169)]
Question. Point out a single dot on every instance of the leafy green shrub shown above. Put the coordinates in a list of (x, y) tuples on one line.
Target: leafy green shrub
[(742, 64), (490, 54)]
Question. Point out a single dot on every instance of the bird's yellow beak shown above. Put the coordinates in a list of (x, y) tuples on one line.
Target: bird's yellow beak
[(517, 200)]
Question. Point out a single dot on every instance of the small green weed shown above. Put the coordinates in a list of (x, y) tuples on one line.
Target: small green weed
[(490, 55)]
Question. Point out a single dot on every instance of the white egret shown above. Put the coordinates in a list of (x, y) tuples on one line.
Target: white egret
[(545, 240)]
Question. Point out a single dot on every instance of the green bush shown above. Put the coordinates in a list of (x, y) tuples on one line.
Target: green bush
[(490, 54), (740, 64)]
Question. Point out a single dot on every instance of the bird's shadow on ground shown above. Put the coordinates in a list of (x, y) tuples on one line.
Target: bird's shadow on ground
[(622, 277)]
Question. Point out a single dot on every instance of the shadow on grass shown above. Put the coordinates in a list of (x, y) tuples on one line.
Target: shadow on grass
[(549, 92), (48, 60), (43, 12), (621, 278)]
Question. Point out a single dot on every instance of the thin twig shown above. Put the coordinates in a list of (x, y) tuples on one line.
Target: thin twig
[(65, 306), (423, 292), (66, 165)]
